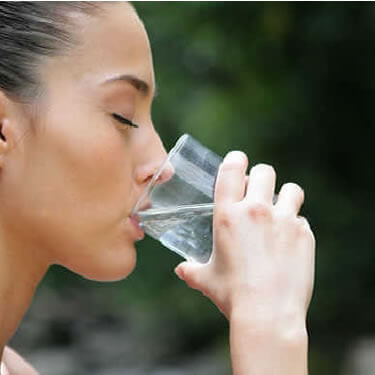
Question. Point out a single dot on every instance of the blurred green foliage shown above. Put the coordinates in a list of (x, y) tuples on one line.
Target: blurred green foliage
[(293, 85)]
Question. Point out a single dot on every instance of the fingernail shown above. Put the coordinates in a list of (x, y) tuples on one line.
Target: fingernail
[(235, 156)]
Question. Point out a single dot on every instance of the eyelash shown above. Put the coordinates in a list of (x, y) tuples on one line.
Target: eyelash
[(124, 120)]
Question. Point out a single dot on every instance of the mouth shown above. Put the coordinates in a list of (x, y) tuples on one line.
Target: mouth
[(137, 226), (136, 221)]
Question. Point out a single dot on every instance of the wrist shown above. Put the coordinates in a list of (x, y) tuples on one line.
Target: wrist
[(263, 345), (284, 325)]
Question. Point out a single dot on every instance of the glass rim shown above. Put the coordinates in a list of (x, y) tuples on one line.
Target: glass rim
[(181, 141)]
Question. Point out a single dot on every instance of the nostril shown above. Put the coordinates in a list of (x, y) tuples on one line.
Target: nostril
[(147, 180), (146, 174), (143, 175), (166, 174)]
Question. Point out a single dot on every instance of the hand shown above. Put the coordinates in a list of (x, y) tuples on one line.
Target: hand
[(262, 265)]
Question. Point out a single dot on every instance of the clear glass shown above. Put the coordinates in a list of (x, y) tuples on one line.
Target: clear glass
[(178, 211)]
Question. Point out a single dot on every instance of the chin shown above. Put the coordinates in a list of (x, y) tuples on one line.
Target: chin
[(118, 268)]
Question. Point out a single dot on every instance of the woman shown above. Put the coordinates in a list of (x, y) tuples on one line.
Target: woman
[(76, 137)]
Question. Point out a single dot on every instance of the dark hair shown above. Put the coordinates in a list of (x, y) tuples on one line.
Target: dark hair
[(30, 31)]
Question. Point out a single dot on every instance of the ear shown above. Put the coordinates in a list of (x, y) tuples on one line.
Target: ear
[(10, 125), (14, 119), (4, 124)]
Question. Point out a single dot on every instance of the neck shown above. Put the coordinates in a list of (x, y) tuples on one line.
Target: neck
[(21, 270)]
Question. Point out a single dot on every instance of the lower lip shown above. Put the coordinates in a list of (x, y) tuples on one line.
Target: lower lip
[(139, 232)]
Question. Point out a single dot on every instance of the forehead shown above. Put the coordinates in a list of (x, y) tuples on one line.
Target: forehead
[(114, 42)]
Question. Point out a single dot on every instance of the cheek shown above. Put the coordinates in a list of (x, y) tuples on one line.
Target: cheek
[(79, 183), (97, 171)]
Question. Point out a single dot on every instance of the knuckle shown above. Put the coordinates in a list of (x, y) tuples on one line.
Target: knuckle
[(290, 226), (231, 166), (224, 217), (258, 210)]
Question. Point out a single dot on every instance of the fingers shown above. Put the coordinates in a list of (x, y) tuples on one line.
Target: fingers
[(290, 199), (261, 185), (230, 182)]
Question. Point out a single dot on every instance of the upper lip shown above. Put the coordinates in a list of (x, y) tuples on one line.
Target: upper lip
[(144, 206)]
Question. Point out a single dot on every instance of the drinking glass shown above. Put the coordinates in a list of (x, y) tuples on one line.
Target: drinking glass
[(178, 212)]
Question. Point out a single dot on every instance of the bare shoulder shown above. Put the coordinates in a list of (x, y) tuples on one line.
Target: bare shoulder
[(15, 364)]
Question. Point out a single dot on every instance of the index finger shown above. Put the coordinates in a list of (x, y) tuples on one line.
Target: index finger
[(231, 178)]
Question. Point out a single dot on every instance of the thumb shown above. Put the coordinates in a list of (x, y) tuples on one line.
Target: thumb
[(194, 274)]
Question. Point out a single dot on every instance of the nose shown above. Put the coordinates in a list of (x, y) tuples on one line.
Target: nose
[(153, 158)]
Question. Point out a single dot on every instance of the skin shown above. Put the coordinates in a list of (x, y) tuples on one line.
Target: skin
[(71, 174), (262, 271)]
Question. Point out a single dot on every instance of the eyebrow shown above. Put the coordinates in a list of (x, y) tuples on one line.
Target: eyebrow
[(140, 85)]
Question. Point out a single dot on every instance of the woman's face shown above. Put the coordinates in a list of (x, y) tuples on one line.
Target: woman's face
[(69, 185)]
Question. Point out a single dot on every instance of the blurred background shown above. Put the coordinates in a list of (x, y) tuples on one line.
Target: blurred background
[(293, 85)]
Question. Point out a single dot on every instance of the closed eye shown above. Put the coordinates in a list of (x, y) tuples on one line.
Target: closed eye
[(124, 120)]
